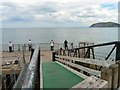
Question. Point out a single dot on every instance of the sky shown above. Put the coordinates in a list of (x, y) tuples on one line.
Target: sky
[(57, 13)]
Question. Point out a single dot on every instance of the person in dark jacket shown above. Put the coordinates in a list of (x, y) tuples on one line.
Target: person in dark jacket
[(66, 45)]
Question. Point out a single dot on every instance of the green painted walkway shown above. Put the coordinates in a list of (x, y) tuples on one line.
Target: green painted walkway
[(56, 76)]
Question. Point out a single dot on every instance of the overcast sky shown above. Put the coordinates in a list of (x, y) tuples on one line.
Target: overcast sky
[(57, 13)]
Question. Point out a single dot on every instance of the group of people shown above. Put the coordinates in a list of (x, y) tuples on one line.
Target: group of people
[(51, 44), (65, 45), (11, 46)]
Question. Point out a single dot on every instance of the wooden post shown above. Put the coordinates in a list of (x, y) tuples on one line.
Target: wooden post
[(18, 47), (13, 48), (53, 56), (106, 74), (118, 52), (23, 56), (118, 62), (114, 68), (87, 55)]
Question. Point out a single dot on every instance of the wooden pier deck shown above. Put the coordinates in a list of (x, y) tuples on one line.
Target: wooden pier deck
[(54, 68), (55, 76)]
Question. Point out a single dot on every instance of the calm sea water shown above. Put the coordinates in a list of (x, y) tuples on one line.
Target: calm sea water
[(44, 35), (75, 35)]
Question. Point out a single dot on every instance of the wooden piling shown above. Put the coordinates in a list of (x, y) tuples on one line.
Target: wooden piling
[(106, 74), (118, 62), (18, 47), (114, 68)]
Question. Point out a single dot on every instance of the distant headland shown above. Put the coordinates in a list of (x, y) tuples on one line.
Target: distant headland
[(105, 24)]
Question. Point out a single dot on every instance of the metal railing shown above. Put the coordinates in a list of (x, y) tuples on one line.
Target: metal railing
[(31, 74), (83, 60), (88, 51), (19, 47)]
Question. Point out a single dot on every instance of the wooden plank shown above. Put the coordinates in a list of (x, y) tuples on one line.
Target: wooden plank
[(91, 82), (91, 71), (9, 71), (89, 61)]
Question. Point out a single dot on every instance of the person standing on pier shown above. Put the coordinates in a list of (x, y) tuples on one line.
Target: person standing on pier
[(52, 45), (66, 44), (30, 44), (10, 46)]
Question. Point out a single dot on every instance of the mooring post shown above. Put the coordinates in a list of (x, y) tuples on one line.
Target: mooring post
[(118, 52), (106, 74), (18, 47), (13, 48), (118, 62), (53, 56), (114, 68)]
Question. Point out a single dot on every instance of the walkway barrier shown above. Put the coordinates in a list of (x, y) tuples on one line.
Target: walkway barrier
[(104, 69), (30, 75), (89, 51), (20, 47)]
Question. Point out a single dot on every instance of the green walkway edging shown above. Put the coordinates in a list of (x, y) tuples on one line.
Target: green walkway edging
[(56, 76)]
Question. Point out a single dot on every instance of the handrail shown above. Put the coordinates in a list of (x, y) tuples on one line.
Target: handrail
[(20, 79), (30, 73), (29, 81), (91, 47), (103, 44)]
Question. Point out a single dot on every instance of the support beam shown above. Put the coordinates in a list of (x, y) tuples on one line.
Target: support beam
[(106, 74)]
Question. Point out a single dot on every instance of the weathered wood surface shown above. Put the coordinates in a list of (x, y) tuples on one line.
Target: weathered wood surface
[(106, 74), (103, 63), (30, 77), (91, 71), (114, 68), (10, 70), (8, 57), (91, 82)]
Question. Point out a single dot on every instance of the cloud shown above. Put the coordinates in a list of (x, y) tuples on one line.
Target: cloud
[(59, 11)]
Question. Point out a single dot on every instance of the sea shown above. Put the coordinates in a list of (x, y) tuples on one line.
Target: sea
[(44, 35), (72, 35)]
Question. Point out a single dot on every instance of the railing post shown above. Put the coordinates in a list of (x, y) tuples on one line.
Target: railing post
[(87, 55), (24, 62), (106, 74), (114, 68), (118, 52), (53, 56)]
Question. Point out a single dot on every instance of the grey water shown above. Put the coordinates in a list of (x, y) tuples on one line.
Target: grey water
[(75, 35), (44, 35)]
